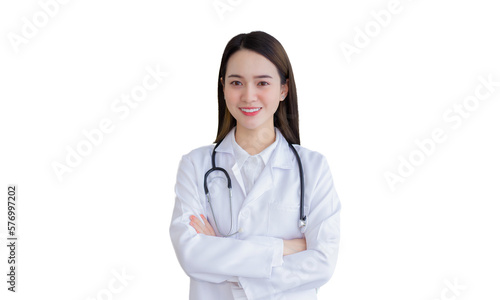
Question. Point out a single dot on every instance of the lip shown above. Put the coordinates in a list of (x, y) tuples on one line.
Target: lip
[(250, 113)]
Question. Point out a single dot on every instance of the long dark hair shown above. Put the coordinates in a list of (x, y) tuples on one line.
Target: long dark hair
[(286, 117)]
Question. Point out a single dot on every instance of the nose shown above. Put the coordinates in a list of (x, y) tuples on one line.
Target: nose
[(249, 94)]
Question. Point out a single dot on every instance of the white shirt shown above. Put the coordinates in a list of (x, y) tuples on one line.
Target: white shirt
[(250, 167)]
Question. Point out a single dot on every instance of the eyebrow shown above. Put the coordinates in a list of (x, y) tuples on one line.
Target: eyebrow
[(258, 76)]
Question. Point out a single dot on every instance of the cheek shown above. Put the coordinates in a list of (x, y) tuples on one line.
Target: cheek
[(232, 107), (231, 96), (272, 100), (232, 104), (271, 95)]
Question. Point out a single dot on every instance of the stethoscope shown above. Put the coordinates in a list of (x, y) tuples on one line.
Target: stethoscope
[(302, 217)]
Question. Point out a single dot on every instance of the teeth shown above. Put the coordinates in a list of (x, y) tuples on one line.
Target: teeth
[(250, 110)]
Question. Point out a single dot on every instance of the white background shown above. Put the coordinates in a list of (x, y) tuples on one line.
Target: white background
[(112, 212)]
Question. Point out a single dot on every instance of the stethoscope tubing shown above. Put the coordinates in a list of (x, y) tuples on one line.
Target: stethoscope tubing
[(302, 217)]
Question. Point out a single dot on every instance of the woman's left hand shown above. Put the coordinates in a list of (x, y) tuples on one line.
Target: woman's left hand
[(202, 227)]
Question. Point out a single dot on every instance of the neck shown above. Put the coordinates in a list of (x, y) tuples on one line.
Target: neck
[(253, 141)]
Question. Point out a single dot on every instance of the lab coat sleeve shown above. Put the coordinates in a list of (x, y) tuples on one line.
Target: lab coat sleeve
[(314, 267), (209, 258)]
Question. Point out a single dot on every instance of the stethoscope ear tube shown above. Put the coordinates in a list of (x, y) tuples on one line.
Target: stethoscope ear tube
[(302, 217)]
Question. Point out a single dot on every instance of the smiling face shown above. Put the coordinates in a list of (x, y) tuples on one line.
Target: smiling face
[(252, 90)]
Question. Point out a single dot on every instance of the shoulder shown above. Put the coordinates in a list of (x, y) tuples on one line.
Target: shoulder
[(199, 153), (311, 156), (193, 163)]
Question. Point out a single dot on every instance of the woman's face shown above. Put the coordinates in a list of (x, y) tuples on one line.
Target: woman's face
[(252, 89)]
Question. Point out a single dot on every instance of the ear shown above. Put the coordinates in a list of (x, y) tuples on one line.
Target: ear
[(284, 91), (223, 92)]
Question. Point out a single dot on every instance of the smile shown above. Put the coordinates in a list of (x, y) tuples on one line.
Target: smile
[(250, 111)]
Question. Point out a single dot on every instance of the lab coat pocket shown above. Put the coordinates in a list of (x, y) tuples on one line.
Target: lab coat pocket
[(284, 220)]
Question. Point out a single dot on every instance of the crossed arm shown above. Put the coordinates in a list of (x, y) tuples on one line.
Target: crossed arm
[(307, 269), (289, 246)]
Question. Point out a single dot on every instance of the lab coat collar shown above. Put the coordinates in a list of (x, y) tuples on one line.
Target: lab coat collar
[(282, 157)]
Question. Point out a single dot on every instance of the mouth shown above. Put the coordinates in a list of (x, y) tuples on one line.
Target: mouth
[(250, 111)]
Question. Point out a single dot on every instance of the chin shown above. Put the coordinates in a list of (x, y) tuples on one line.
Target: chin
[(248, 125)]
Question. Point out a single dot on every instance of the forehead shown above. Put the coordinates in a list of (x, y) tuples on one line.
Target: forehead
[(249, 63)]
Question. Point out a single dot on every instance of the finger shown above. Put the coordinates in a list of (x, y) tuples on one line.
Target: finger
[(197, 221), (196, 227), (207, 224), (196, 224), (202, 228), (303, 244)]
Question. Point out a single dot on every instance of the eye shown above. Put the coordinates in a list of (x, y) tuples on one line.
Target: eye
[(235, 83), (263, 83)]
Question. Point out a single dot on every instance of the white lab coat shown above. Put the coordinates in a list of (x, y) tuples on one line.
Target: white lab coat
[(269, 213)]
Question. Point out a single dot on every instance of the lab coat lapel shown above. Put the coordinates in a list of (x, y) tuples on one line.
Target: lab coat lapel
[(280, 158), (239, 178), (262, 184), (227, 147)]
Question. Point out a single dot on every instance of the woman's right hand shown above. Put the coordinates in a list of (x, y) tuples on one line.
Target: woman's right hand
[(294, 246)]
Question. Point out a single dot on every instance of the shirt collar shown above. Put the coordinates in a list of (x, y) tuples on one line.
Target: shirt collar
[(241, 155), (283, 156)]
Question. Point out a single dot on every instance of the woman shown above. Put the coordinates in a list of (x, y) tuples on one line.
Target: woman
[(250, 245)]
